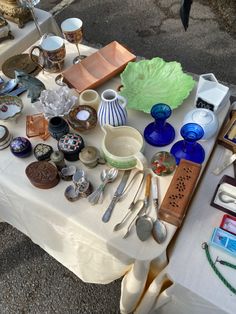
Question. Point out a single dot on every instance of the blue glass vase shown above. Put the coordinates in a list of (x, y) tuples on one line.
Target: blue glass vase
[(159, 132), (188, 148)]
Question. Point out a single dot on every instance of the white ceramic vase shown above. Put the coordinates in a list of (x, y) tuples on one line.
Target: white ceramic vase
[(112, 109)]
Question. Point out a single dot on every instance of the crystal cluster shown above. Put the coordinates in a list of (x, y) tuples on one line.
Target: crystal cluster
[(56, 102)]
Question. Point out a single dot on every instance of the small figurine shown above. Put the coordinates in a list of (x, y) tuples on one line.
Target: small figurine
[(34, 85)]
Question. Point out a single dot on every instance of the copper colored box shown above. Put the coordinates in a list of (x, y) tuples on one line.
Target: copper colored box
[(175, 203), (227, 136), (42, 174), (98, 67)]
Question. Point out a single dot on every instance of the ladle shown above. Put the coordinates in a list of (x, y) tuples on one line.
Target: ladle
[(159, 230), (144, 222), (226, 197), (107, 176)]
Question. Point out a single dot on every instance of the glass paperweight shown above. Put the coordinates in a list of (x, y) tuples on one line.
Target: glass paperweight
[(163, 163), (160, 132), (37, 125), (188, 148)]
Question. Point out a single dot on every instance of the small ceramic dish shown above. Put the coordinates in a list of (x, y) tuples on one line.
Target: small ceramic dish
[(72, 194), (68, 172), (10, 107), (83, 118), (5, 137)]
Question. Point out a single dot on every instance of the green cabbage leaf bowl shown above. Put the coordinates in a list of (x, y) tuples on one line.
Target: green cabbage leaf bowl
[(148, 82)]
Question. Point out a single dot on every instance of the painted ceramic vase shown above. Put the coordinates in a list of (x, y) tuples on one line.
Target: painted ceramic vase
[(20, 147), (58, 127), (112, 109), (71, 144)]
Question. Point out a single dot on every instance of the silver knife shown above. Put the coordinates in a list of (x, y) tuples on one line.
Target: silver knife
[(118, 193)]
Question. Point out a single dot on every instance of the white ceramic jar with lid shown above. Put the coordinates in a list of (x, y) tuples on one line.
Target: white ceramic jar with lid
[(205, 118)]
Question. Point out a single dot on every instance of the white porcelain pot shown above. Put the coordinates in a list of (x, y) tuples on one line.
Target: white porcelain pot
[(205, 118)]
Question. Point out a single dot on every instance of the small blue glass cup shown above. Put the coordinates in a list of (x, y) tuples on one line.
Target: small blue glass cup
[(160, 133), (188, 148)]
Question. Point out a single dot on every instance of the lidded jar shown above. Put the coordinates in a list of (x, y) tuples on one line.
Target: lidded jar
[(205, 118), (58, 127)]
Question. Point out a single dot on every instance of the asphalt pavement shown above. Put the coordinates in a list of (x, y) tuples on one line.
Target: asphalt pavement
[(30, 280)]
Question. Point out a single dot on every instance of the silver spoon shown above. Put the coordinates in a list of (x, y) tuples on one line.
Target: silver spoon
[(226, 197), (144, 222), (107, 176), (159, 230)]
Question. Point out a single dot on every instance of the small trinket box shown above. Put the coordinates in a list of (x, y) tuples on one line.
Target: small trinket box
[(228, 224), (20, 147), (71, 144), (42, 174), (224, 197), (90, 157), (68, 172), (5, 137), (224, 240), (57, 158), (42, 151)]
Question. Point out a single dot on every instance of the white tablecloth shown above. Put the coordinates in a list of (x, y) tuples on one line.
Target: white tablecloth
[(73, 233), (26, 36)]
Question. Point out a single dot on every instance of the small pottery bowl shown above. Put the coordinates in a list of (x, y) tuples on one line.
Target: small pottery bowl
[(21, 147), (5, 137), (122, 147), (57, 158), (90, 157), (68, 172), (10, 107), (83, 118), (42, 151), (58, 127), (206, 118), (71, 144), (89, 97), (42, 174)]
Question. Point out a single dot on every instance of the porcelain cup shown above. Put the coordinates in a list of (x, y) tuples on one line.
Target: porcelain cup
[(89, 97), (52, 53), (122, 147)]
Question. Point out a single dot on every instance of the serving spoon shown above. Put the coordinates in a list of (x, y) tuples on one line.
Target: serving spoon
[(107, 176), (159, 231)]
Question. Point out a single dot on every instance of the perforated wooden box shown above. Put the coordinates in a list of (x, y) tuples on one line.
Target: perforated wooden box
[(175, 203)]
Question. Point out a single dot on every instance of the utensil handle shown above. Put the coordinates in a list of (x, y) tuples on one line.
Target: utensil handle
[(148, 185), (107, 215)]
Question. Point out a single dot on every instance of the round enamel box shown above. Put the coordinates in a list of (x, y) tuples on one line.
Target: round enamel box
[(71, 144), (20, 147)]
